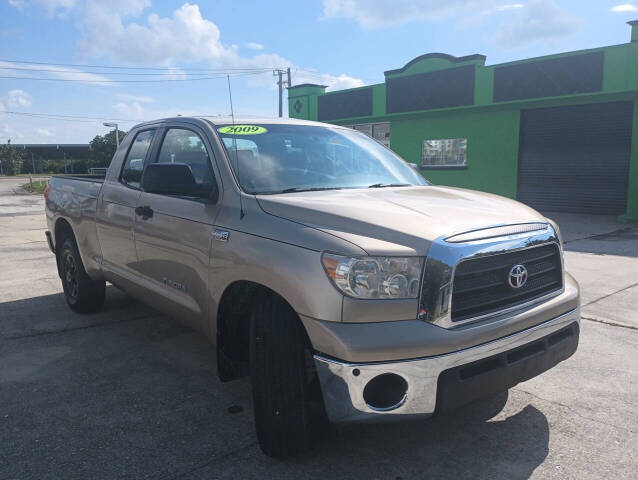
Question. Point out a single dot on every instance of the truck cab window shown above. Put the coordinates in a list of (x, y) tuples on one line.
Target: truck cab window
[(134, 164), (185, 146)]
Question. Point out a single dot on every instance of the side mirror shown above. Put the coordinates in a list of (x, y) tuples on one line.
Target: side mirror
[(170, 179), (414, 167)]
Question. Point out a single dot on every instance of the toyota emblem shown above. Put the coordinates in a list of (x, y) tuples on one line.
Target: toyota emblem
[(517, 276)]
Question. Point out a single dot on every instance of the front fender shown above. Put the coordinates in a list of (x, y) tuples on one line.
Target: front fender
[(293, 272)]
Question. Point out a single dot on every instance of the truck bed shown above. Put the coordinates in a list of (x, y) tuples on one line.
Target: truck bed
[(73, 199), (81, 177)]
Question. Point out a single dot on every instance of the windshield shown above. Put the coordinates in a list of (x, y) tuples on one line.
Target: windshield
[(287, 158)]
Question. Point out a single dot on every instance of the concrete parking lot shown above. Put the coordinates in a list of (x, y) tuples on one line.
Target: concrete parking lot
[(129, 393)]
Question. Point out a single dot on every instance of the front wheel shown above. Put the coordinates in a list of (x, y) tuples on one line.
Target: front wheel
[(286, 395), (82, 293)]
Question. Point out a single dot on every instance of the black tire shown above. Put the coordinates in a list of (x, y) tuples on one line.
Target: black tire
[(82, 294), (288, 407)]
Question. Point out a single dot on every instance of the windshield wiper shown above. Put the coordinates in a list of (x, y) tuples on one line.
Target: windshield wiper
[(300, 189), (384, 185)]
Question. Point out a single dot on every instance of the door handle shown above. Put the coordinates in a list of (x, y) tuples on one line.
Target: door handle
[(145, 212)]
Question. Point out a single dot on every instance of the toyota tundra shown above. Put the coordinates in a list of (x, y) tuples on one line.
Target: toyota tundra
[(322, 266)]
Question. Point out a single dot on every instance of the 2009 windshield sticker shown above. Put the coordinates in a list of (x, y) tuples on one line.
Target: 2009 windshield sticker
[(242, 130)]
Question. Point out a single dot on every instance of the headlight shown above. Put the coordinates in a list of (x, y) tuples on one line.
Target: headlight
[(375, 277)]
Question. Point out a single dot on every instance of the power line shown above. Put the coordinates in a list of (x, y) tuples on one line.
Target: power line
[(172, 73), (84, 119), (126, 81), (122, 67), (55, 116)]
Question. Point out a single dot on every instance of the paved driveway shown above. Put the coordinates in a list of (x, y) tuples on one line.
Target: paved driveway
[(129, 393)]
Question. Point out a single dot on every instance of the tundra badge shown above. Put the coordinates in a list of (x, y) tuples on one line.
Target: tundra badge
[(172, 283)]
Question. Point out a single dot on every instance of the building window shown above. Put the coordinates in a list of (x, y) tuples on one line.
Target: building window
[(444, 153), (379, 131)]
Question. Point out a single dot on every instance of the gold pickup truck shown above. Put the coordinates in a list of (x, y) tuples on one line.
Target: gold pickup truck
[(321, 265)]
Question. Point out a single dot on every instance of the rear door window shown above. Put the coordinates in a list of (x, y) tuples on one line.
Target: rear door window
[(134, 163)]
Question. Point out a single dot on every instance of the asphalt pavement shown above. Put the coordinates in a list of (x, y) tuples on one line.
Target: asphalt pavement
[(130, 393)]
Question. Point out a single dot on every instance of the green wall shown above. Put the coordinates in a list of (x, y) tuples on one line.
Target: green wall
[(492, 147), (492, 128)]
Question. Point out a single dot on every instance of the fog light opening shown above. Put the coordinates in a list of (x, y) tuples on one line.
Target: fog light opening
[(385, 392)]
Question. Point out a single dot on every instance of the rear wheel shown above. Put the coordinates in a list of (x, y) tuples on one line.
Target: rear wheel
[(287, 400), (82, 293)]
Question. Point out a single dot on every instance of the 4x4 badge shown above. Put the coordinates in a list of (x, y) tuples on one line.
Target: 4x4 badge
[(221, 235)]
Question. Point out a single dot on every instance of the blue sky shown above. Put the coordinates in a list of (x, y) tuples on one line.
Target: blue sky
[(340, 43)]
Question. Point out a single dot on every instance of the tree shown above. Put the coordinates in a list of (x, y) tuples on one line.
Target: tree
[(11, 159), (103, 149)]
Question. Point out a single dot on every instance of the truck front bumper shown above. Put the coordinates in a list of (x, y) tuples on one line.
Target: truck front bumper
[(419, 387)]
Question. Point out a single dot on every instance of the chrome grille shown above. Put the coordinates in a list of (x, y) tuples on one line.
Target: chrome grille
[(480, 285)]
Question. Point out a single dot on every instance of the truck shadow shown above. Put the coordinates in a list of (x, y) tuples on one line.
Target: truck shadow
[(464, 443), (50, 314), (128, 392)]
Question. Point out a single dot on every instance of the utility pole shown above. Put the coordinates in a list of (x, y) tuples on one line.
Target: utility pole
[(64, 153), (33, 163), (278, 72)]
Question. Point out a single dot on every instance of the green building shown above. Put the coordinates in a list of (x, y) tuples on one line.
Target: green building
[(554, 132)]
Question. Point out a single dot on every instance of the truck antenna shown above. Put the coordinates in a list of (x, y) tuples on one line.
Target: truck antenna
[(232, 116)]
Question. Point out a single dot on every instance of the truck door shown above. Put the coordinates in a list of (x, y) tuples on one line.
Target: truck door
[(173, 234), (115, 216)]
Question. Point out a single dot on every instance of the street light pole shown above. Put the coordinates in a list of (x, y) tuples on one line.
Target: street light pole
[(117, 133)]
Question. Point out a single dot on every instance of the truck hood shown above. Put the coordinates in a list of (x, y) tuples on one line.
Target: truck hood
[(400, 220)]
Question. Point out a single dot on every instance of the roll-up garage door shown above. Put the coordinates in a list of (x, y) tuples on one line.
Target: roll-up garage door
[(576, 158)]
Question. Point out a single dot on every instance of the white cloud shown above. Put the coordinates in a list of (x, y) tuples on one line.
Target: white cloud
[(175, 73), (184, 37), (538, 21), (18, 98), (384, 13), (63, 73), (135, 98), (477, 18), (120, 31), (133, 110), (513, 6), (625, 7), (340, 82), (254, 46), (45, 132)]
